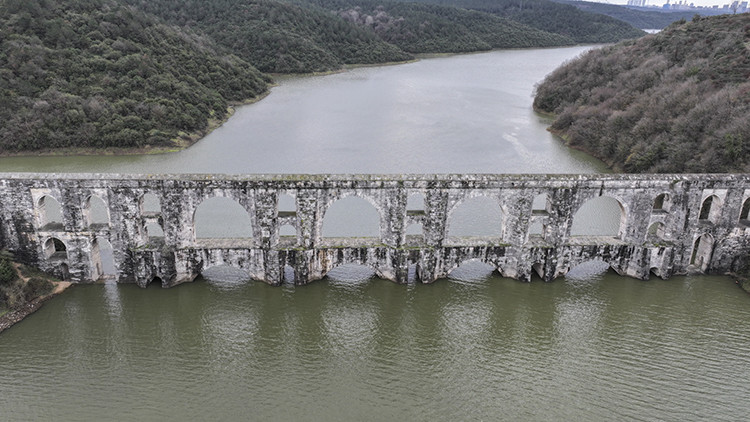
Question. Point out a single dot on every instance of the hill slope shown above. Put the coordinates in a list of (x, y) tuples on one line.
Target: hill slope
[(275, 36), (677, 101), (94, 73), (427, 28), (583, 27), (639, 18)]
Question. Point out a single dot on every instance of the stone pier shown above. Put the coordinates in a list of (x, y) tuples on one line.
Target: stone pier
[(669, 224)]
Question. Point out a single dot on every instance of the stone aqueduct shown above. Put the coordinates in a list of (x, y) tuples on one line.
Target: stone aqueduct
[(670, 224)]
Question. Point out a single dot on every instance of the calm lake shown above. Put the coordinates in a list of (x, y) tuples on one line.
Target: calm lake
[(591, 347)]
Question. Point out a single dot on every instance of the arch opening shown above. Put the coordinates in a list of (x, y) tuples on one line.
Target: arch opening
[(351, 217), (745, 212), (476, 216), (472, 271), (588, 271), (350, 274), (154, 231), (286, 204), (155, 282), (656, 232), (55, 249), (538, 270), (102, 259), (150, 204), (541, 205), (287, 230), (710, 209), (415, 204), (661, 203), (702, 249), (50, 213), (536, 229), (600, 216), (96, 212), (222, 218)]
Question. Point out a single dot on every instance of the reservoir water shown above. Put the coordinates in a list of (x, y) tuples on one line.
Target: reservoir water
[(591, 346)]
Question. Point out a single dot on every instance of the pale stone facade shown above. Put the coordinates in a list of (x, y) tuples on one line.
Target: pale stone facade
[(670, 224)]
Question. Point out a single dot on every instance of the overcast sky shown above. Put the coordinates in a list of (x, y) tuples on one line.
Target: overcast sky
[(661, 2)]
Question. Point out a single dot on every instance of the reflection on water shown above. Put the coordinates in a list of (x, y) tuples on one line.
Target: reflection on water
[(491, 349)]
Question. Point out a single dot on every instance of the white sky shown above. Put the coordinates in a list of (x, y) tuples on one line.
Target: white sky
[(704, 3)]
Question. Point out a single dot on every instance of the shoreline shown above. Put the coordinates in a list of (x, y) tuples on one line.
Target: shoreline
[(13, 317), (183, 142)]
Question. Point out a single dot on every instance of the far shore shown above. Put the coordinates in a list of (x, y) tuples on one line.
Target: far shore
[(181, 143)]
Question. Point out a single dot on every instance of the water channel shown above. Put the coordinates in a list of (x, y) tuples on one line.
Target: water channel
[(591, 346)]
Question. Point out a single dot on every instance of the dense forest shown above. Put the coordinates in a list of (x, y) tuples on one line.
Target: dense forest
[(94, 73), (677, 101), (154, 73), (427, 28), (278, 37), (639, 18), (303, 36), (563, 19)]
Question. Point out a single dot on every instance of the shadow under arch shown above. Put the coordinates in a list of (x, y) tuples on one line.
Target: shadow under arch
[(55, 249), (473, 270), (155, 281), (600, 216), (594, 269), (350, 274), (476, 215), (745, 212), (221, 217), (351, 216)]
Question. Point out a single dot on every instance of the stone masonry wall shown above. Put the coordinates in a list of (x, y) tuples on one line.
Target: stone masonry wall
[(670, 224)]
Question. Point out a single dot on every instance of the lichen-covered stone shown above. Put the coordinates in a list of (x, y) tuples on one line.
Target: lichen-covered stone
[(692, 232)]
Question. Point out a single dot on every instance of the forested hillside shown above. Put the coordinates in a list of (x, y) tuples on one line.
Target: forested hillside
[(278, 37), (138, 73), (644, 19), (318, 35), (427, 28), (566, 20), (677, 101), (94, 73)]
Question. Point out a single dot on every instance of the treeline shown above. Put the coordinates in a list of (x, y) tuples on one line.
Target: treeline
[(563, 19), (95, 73), (677, 101)]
